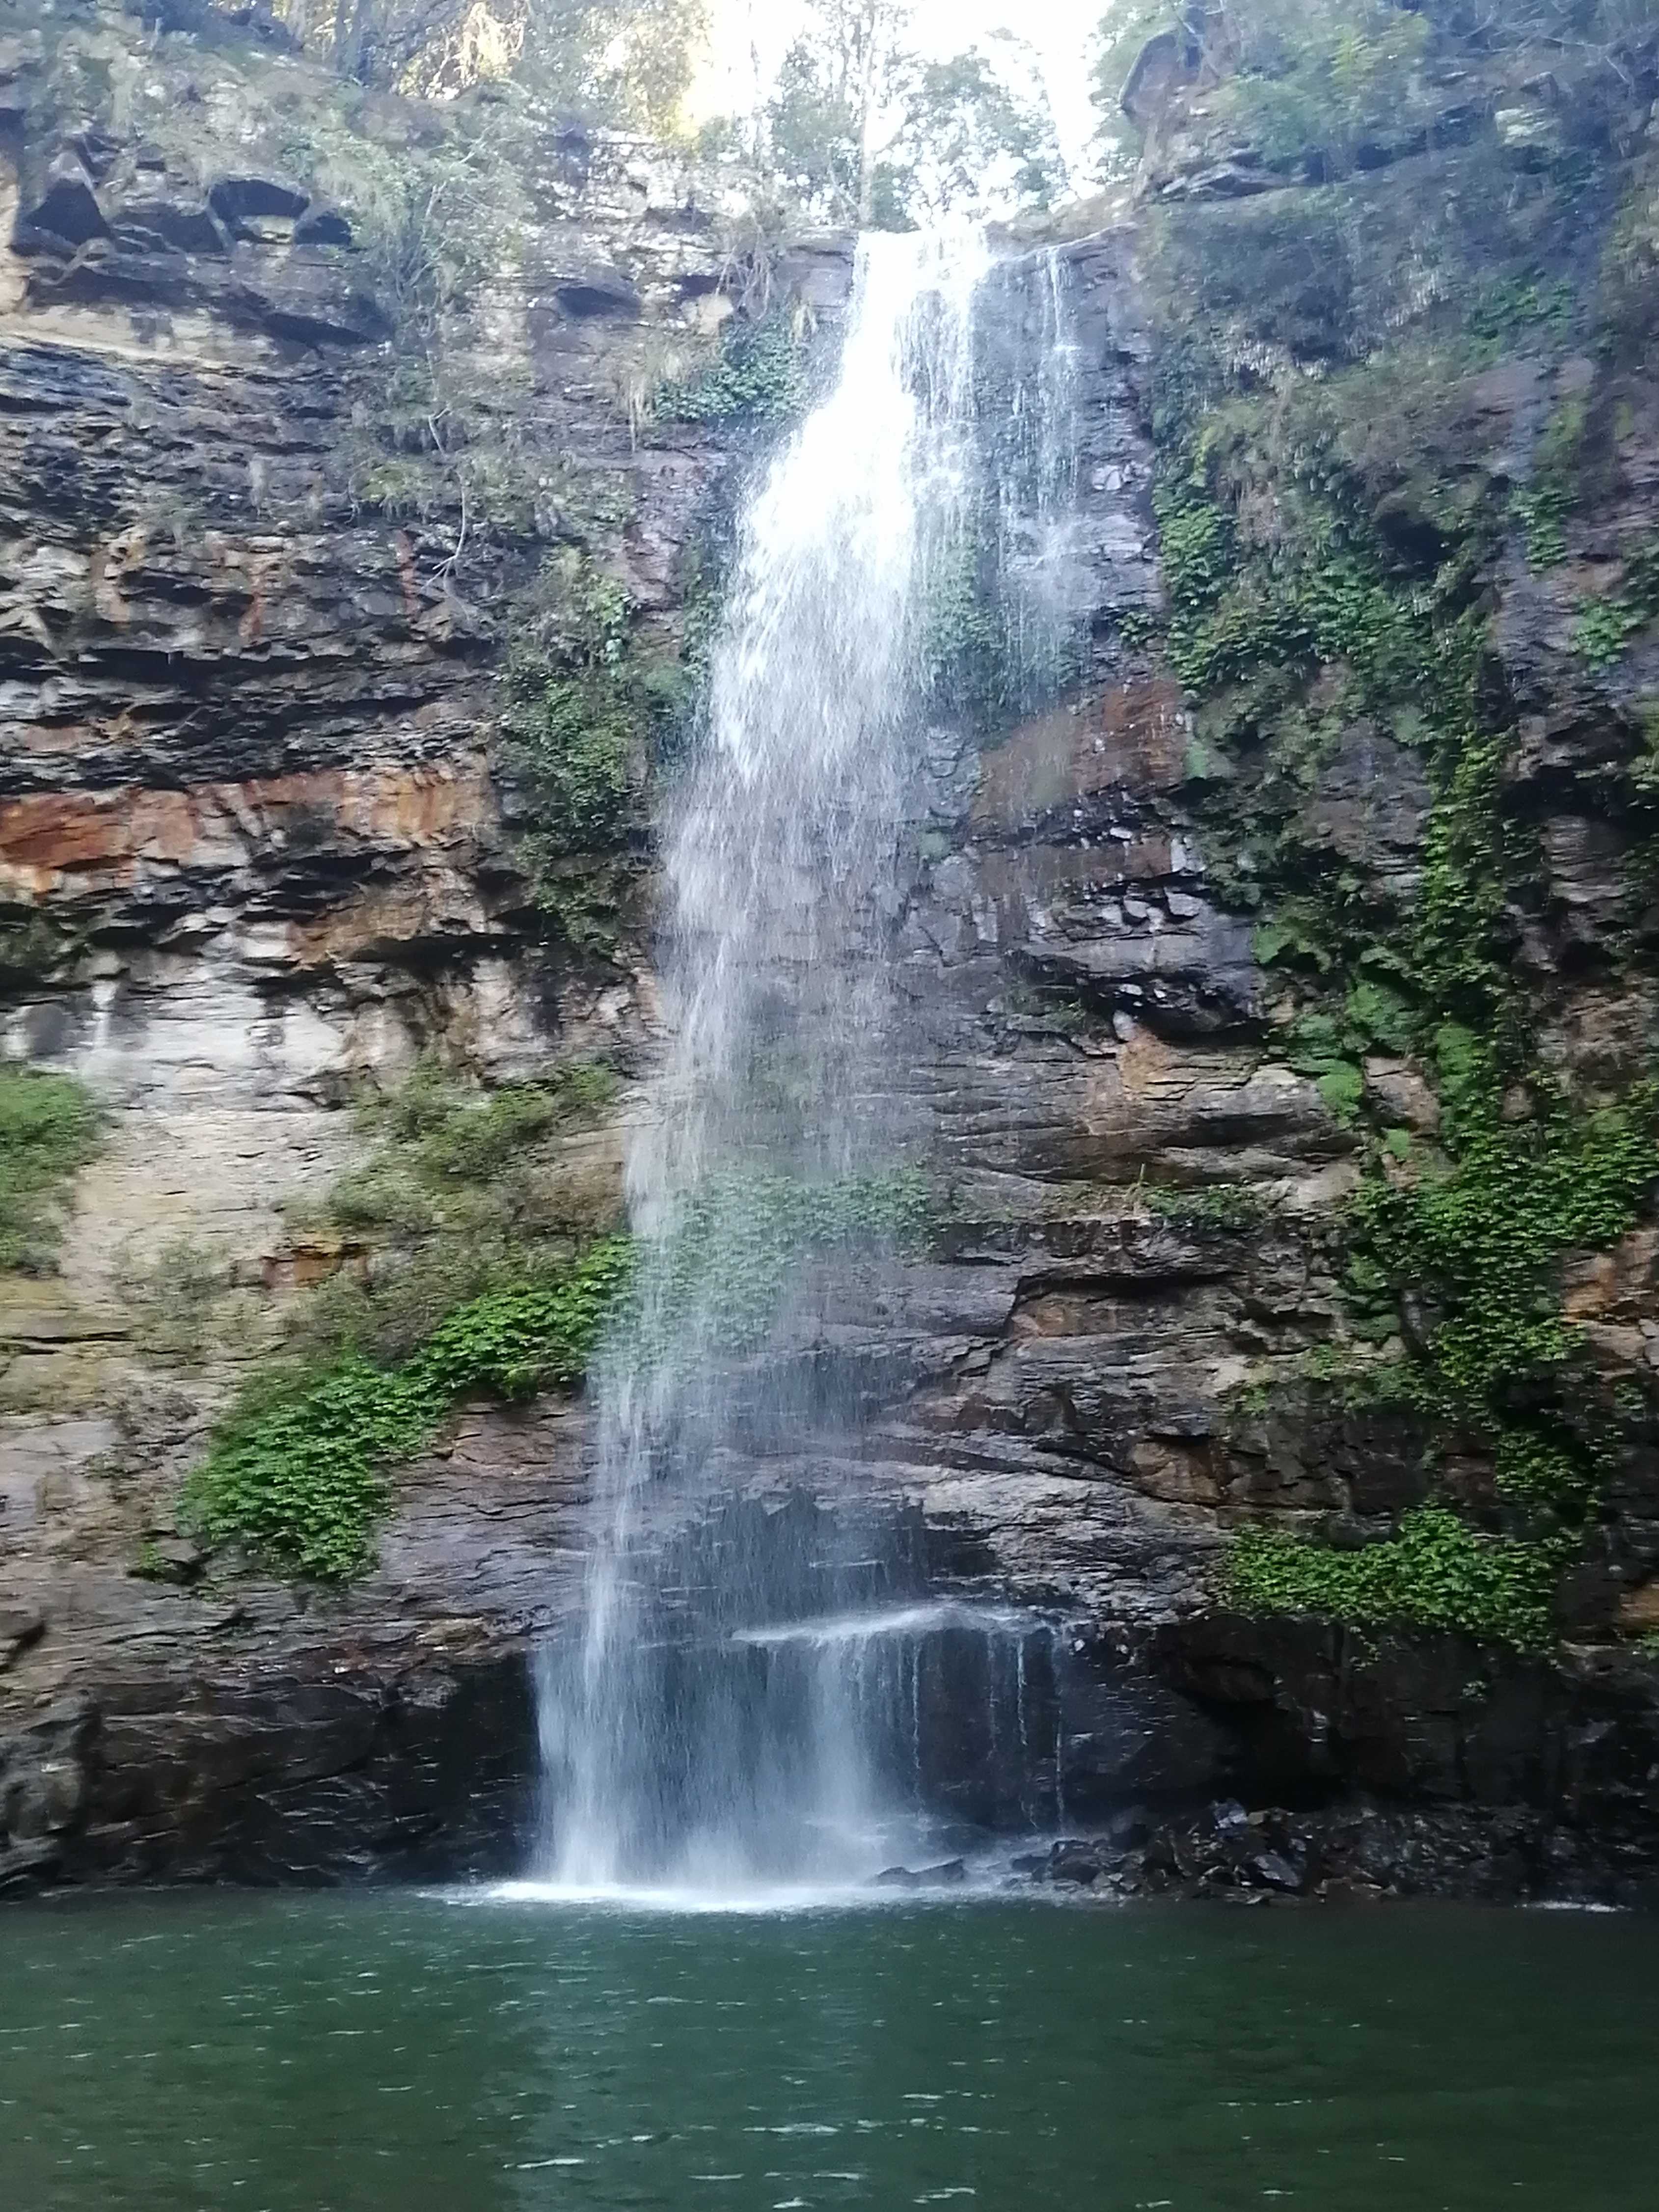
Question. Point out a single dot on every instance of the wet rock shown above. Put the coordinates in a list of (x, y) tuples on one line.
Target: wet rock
[(59, 209), (321, 225), (945, 1876), (20, 1629), (171, 1558), (312, 301), (237, 200), (28, 1866), (1076, 1863), (597, 290), (167, 226), (1371, 803), (1277, 1872), (1126, 1830)]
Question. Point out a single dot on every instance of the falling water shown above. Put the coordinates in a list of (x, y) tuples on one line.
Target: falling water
[(1033, 444), (745, 1704)]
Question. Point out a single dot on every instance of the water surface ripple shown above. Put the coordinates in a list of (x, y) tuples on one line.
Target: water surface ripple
[(394, 2053)]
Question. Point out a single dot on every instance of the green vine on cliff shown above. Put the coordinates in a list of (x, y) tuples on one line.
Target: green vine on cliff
[(50, 1128), (1285, 638), (1436, 1573), (299, 1474), (759, 375), (583, 704), (300, 1480), (1475, 1251), (1608, 626), (723, 1262)]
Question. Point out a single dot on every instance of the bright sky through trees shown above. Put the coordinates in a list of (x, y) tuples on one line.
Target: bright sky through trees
[(1058, 29)]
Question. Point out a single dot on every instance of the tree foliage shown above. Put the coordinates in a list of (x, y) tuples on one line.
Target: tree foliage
[(868, 132), (968, 137), (837, 83), (627, 63)]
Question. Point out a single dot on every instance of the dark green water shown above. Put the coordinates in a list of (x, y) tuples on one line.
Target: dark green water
[(410, 2054)]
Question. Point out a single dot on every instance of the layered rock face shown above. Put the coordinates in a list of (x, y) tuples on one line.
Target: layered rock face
[(252, 856), (253, 800)]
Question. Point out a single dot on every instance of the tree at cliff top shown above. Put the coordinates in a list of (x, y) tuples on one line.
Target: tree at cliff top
[(623, 62), (868, 133)]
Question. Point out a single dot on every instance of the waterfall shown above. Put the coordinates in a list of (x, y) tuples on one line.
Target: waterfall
[(699, 1734)]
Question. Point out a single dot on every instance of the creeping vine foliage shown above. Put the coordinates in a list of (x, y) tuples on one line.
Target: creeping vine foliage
[(759, 376), (723, 1264), (1232, 1208), (1608, 626), (967, 652), (1436, 1573), (579, 710), (1482, 1240), (1461, 1247), (300, 1477), (49, 1127), (302, 1482)]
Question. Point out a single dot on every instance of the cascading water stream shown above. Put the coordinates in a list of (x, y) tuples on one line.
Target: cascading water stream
[(690, 1739)]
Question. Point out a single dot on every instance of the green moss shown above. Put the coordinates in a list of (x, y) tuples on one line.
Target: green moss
[(150, 1566), (1345, 1374), (31, 947), (1510, 307), (446, 1133), (1475, 1248), (992, 652), (1486, 1236), (1320, 79), (298, 1473), (760, 376), (576, 746), (971, 666), (466, 1191), (1627, 298), (576, 736), (1342, 1087), (432, 221), (1478, 1247), (1436, 1573), (175, 1298), (1608, 626), (1228, 1207), (1318, 597), (49, 1129), (1543, 506), (1326, 548)]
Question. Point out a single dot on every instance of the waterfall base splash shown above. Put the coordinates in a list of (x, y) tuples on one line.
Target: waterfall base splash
[(934, 1721), (852, 1729)]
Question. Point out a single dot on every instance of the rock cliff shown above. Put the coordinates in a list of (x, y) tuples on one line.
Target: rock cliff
[(1280, 983)]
